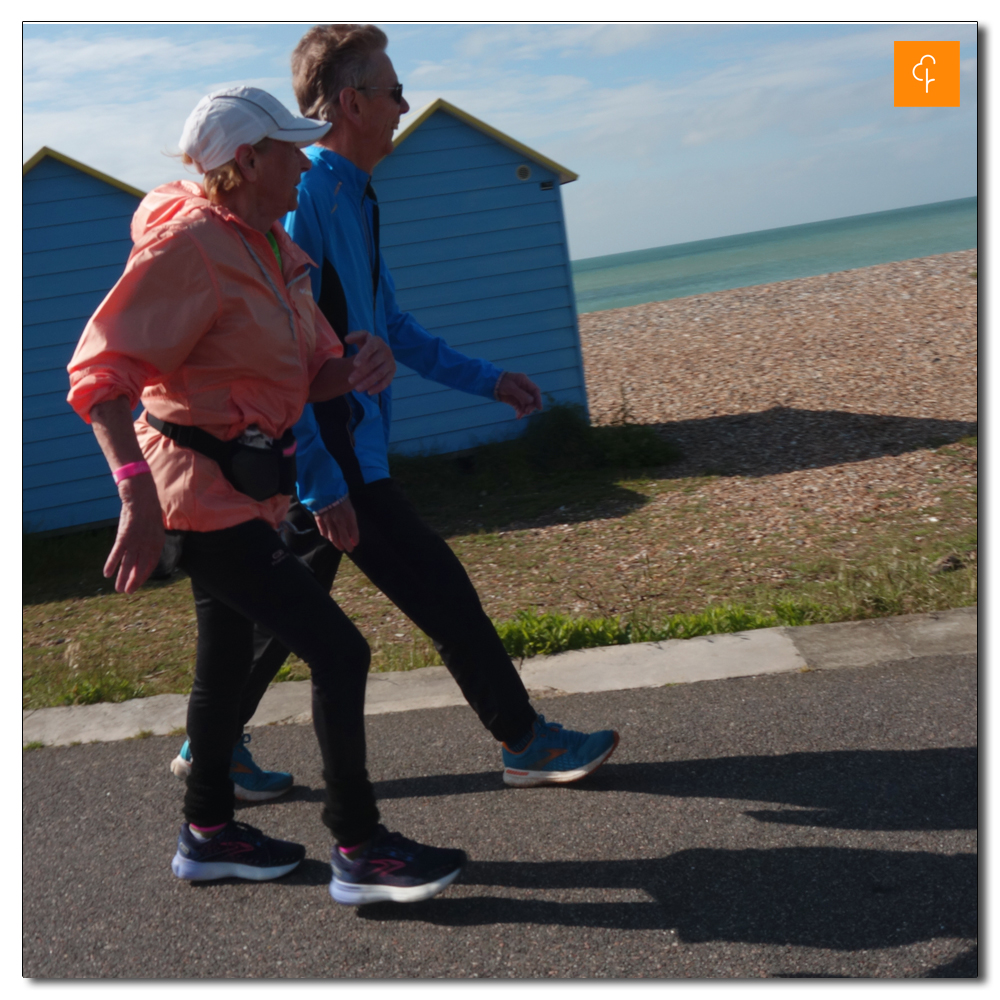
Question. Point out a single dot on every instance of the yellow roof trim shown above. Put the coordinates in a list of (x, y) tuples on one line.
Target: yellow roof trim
[(565, 175), (82, 167)]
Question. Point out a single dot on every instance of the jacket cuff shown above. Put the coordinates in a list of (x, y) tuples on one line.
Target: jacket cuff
[(330, 506)]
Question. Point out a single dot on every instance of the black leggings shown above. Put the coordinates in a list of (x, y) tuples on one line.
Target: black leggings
[(416, 569), (242, 576)]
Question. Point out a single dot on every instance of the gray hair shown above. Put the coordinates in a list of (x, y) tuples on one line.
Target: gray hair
[(328, 58)]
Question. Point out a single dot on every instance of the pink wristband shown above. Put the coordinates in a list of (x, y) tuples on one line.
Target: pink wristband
[(130, 470)]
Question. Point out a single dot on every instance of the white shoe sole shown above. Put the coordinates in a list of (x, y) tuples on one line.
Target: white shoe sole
[(531, 779), (181, 768), (357, 895), (201, 871)]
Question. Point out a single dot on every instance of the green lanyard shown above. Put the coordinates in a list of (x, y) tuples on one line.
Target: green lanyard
[(274, 247)]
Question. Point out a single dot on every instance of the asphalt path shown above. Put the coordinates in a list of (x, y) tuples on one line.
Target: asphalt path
[(819, 824)]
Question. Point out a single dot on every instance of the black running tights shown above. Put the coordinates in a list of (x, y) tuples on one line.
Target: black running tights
[(242, 576), (416, 569)]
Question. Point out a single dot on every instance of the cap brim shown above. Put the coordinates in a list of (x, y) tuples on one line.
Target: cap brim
[(303, 136)]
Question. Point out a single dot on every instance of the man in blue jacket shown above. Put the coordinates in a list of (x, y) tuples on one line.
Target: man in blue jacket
[(342, 74)]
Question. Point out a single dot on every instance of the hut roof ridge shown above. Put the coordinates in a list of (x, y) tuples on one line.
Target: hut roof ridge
[(45, 151), (440, 104)]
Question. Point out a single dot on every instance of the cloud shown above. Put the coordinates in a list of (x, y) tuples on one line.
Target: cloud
[(533, 42), (818, 90), (130, 139), (118, 69), (651, 116)]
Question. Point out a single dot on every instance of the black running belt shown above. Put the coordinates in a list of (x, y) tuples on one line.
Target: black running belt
[(193, 437)]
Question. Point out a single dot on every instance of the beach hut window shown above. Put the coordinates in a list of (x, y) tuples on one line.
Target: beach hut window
[(523, 172), (547, 185)]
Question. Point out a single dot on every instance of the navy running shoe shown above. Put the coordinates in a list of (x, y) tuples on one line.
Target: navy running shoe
[(556, 755), (394, 869), (251, 783), (238, 850)]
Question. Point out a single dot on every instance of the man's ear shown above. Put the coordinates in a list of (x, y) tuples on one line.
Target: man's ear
[(350, 106)]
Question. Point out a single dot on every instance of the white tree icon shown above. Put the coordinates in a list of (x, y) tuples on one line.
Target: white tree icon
[(926, 79)]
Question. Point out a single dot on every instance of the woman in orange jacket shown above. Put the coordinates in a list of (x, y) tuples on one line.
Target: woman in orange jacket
[(214, 327)]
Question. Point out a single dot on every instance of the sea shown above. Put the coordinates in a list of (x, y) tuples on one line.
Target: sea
[(673, 272)]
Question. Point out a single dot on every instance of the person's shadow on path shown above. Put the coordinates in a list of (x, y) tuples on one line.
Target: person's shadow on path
[(934, 789), (841, 898), (818, 897), (815, 897)]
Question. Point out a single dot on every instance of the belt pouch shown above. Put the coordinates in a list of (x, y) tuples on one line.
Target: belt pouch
[(260, 473), (255, 471)]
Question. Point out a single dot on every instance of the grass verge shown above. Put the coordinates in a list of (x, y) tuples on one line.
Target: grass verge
[(574, 537)]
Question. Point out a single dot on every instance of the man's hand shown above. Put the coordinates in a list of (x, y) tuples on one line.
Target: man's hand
[(140, 534), (339, 526), (374, 365), (370, 370), (520, 392)]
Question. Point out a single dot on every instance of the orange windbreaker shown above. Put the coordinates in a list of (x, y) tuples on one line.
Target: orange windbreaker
[(205, 329)]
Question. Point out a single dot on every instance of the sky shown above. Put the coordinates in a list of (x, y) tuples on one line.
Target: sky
[(678, 132)]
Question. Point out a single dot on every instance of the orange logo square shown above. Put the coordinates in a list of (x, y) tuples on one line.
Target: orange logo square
[(925, 74)]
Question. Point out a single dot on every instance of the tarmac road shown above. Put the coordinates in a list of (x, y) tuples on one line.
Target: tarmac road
[(814, 824)]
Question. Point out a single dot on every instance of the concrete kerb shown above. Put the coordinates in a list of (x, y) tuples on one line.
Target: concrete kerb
[(609, 668)]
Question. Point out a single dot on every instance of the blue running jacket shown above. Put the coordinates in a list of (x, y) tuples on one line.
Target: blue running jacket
[(344, 442)]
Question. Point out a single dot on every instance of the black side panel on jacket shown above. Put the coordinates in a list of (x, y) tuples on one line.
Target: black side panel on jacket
[(334, 415)]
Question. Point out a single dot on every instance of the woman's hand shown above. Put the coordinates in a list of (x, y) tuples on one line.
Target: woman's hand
[(140, 528), (140, 534)]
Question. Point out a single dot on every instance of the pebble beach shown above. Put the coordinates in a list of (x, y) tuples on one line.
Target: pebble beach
[(806, 410), (828, 385)]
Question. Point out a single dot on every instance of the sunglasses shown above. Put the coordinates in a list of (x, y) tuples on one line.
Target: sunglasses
[(396, 93)]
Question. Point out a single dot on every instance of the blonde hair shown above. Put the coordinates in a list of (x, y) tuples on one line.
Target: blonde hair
[(227, 177), (328, 58)]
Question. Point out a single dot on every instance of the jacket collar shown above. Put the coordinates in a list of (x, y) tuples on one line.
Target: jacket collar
[(354, 179), (294, 259)]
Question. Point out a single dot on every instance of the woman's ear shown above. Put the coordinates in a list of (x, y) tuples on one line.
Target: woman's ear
[(246, 160)]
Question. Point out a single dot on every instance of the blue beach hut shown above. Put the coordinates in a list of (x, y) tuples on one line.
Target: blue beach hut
[(471, 226), (472, 229), (75, 242)]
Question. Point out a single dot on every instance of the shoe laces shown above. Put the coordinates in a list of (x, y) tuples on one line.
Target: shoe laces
[(249, 832), (243, 753), (384, 839)]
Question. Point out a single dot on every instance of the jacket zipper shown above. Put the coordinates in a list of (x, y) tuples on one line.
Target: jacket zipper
[(270, 281)]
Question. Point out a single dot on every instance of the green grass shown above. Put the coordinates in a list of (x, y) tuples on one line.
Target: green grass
[(33, 745), (878, 590)]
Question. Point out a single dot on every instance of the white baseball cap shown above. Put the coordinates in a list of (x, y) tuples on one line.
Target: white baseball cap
[(227, 119)]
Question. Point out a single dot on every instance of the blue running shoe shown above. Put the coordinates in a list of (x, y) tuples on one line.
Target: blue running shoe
[(394, 869), (236, 850), (250, 782), (556, 755)]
